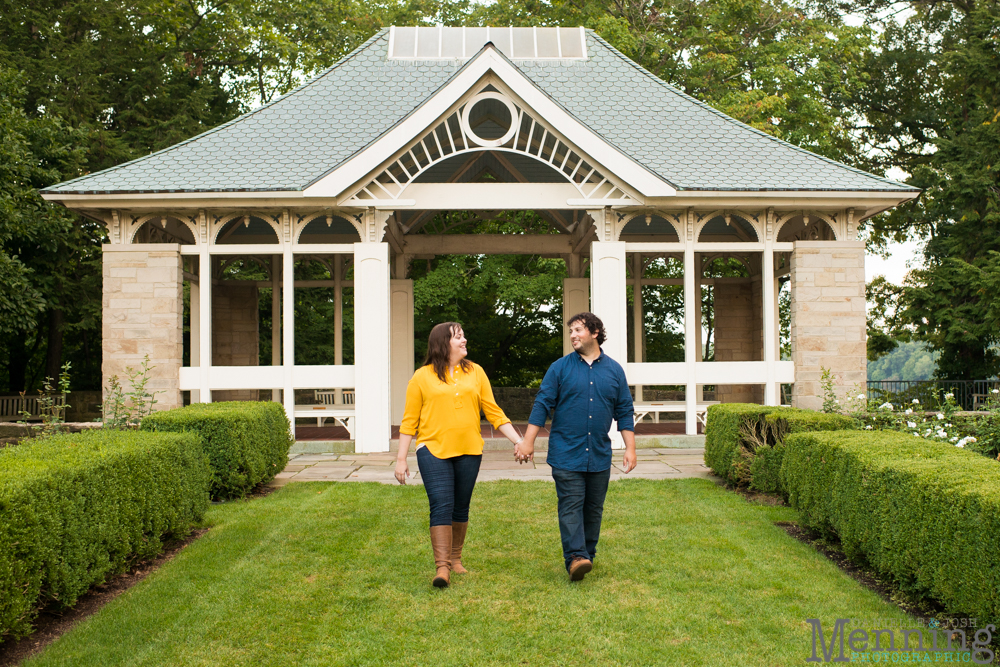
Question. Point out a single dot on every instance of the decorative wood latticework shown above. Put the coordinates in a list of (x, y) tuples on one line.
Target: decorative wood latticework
[(526, 135)]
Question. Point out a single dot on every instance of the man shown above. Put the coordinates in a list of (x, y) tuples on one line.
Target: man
[(587, 390)]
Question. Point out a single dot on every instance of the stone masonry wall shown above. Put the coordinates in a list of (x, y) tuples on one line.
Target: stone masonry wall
[(738, 335), (143, 314), (828, 318), (235, 335)]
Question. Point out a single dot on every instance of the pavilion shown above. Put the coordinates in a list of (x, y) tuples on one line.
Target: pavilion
[(350, 168)]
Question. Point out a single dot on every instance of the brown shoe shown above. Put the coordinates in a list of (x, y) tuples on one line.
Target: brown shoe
[(457, 540), (441, 543), (579, 567)]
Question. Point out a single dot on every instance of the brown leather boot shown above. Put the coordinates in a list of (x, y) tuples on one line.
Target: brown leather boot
[(441, 543), (457, 540)]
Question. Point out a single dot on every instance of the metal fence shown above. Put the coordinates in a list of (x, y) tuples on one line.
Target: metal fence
[(970, 394)]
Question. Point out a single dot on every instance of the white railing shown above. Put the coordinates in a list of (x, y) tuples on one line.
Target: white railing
[(267, 377), (708, 372)]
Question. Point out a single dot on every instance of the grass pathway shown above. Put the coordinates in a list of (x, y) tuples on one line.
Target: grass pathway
[(338, 574)]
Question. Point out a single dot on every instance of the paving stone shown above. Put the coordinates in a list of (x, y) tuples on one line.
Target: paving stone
[(380, 467)]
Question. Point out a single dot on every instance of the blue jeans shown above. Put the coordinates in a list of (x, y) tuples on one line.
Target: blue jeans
[(449, 484), (581, 506)]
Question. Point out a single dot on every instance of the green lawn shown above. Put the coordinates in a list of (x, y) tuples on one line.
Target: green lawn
[(339, 574)]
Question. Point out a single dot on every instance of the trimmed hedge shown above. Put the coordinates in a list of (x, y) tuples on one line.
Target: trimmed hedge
[(925, 513), (76, 509), (744, 442), (247, 442)]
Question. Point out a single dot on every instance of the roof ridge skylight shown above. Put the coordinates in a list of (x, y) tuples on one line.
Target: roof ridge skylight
[(461, 43)]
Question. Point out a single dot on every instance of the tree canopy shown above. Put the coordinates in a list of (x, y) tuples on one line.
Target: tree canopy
[(915, 87)]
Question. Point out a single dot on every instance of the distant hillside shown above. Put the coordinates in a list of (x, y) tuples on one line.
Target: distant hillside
[(909, 361)]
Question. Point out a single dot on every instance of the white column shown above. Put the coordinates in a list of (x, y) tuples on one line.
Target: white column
[(692, 337), (769, 298), (275, 321), (576, 299), (205, 322), (699, 302), (288, 329), (637, 318), (371, 347), (608, 302), (338, 322), (401, 354), (607, 295), (195, 335)]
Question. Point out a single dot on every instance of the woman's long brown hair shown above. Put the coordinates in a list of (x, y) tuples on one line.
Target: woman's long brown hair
[(439, 349)]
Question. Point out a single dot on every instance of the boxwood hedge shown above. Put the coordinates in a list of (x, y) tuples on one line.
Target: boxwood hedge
[(924, 513), (247, 442), (744, 442), (76, 509)]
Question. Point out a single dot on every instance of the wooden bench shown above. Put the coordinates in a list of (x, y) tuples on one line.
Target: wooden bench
[(656, 407), (11, 407), (327, 408)]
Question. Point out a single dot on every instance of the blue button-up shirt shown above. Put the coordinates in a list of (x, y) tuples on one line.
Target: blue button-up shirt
[(586, 398)]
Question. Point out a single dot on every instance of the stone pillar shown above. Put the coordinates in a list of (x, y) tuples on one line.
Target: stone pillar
[(143, 313), (401, 342), (828, 318), (235, 335), (737, 334), (371, 347), (576, 299)]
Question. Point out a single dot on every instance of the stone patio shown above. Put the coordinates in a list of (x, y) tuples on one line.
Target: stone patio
[(666, 463)]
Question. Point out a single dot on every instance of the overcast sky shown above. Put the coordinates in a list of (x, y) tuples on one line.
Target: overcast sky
[(902, 258)]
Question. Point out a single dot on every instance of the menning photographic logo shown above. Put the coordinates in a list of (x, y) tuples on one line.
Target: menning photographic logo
[(881, 645)]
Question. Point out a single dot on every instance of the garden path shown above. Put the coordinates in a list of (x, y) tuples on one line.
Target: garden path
[(660, 463)]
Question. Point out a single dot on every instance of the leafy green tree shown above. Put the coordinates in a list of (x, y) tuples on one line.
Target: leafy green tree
[(47, 261), (783, 68), (510, 306), (106, 82), (932, 108)]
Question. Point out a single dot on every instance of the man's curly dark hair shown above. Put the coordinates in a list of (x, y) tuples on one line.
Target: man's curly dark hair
[(593, 323)]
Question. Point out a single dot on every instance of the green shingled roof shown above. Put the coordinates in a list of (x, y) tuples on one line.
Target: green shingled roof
[(292, 142)]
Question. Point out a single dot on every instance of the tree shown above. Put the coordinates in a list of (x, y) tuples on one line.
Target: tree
[(932, 107), (779, 67), (510, 306), (108, 82), (47, 260)]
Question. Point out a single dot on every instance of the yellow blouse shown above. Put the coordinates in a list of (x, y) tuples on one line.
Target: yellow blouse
[(446, 415)]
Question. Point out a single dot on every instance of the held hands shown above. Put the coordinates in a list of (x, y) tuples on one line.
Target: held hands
[(524, 451), (402, 471)]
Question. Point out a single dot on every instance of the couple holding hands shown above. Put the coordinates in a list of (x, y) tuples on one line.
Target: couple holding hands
[(585, 391)]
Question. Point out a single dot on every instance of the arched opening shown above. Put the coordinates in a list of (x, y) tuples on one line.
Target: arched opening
[(653, 228), (728, 229), (806, 228), (329, 229), (499, 166), (165, 229), (247, 229)]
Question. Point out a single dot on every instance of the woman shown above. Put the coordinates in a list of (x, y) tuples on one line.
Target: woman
[(443, 400)]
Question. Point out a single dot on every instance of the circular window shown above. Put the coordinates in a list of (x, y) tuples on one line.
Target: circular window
[(481, 97)]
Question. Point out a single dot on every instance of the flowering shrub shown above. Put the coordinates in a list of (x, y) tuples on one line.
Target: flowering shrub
[(941, 425), (987, 428)]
